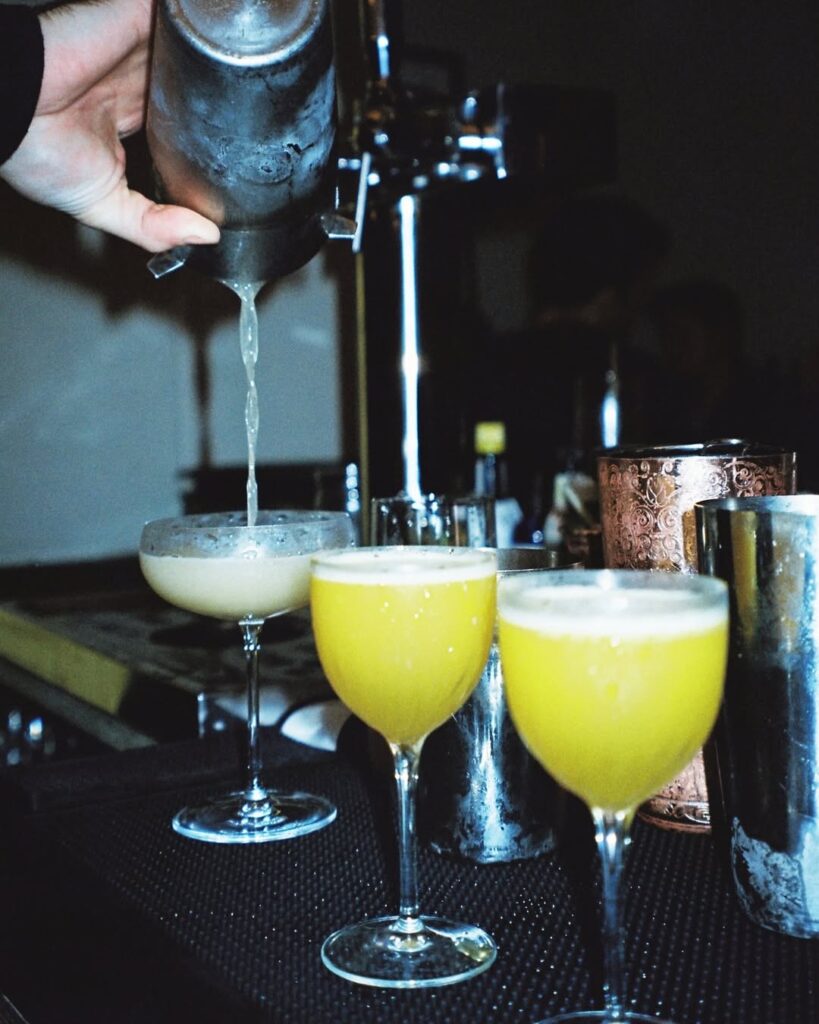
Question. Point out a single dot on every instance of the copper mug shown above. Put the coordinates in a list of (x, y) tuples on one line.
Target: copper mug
[(647, 499)]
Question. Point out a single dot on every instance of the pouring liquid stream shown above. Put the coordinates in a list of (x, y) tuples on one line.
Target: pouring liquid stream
[(249, 342)]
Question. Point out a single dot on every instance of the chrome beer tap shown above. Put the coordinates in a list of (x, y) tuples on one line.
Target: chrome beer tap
[(400, 148)]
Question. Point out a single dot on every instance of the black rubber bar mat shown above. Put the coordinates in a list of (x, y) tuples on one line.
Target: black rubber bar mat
[(163, 928)]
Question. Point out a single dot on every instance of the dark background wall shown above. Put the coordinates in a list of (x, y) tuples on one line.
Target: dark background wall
[(717, 128), (717, 122)]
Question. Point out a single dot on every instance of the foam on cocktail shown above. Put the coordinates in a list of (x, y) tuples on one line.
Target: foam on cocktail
[(587, 611), (231, 587), (410, 565)]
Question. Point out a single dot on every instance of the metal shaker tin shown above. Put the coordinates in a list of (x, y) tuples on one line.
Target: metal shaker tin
[(765, 792), (647, 499), (482, 796), (241, 127)]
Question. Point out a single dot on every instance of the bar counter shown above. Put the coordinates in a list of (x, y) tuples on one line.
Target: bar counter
[(109, 916)]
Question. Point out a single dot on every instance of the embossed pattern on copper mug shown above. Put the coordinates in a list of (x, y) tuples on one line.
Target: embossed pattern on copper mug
[(647, 496), (647, 499)]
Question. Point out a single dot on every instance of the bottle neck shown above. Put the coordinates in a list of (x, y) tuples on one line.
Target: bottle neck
[(491, 479), (490, 476)]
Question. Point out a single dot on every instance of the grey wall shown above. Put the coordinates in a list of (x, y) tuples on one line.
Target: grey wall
[(113, 385)]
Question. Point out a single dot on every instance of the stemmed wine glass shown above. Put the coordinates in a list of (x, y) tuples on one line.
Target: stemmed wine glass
[(403, 634), (216, 565), (613, 680)]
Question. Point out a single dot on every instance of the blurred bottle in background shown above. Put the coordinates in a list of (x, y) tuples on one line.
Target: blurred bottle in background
[(492, 478), (529, 530), (572, 525)]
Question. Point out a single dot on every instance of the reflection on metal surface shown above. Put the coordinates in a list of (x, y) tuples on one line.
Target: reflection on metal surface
[(241, 126), (482, 795), (766, 788)]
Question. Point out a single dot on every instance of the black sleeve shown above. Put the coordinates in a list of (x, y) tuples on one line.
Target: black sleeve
[(21, 74)]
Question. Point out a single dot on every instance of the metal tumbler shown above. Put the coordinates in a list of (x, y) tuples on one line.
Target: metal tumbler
[(647, 498), (765, 790), (482, 796)]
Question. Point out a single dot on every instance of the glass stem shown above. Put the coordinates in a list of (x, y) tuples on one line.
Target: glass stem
[(255, 792), (611, 829), (406, 760)]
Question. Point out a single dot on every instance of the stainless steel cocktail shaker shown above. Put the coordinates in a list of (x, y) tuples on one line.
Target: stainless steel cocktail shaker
[(766, 790), (482, 796), (241, 127)]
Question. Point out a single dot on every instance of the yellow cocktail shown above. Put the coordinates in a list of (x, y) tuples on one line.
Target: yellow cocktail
[(403, 634), (613, 680), (613, 692)]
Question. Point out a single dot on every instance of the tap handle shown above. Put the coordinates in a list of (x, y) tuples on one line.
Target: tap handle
[(383, 37), (361, 199)]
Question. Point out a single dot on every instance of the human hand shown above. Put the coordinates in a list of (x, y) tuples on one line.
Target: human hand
[(93, 94)]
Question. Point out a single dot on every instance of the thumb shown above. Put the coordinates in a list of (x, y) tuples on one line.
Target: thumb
[(152, 226)]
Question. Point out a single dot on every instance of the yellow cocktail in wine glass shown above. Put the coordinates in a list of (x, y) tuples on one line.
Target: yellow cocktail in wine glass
[(403, 634), (613, 680)]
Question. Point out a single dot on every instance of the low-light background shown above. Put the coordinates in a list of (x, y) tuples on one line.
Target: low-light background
[(114, 386)]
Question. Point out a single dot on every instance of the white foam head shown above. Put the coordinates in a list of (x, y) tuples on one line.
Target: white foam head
[(644, 610), (405, 565)]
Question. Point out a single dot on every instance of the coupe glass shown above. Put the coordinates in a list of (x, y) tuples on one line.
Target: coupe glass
[(216, 565), (613, 680), (403, 634)]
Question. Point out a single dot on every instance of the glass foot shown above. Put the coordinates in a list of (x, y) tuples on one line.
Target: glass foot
[(381, 953), (235, 819), (602, 1017)]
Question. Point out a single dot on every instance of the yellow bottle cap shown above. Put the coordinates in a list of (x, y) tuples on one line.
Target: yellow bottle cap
[(490, 438)]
